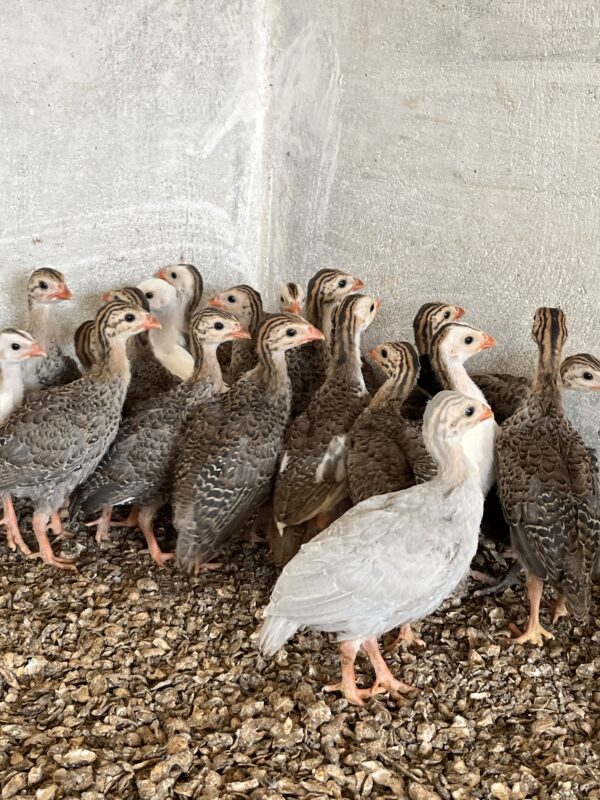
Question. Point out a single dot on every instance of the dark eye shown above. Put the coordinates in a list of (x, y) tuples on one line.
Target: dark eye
[(174, 275), (343, 283), (219, 326), (446, 315), (43, 285), (586, 375), (384, 353), (282, 299), (372, 306), (129, 317), (15, 346), (468, 340), (469, 411), (290, 332), (231, 298), (149, 295)]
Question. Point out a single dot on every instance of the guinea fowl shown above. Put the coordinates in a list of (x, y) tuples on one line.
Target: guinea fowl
[(56, 439), (229, 451), (245, 303), (47, 288), (390, 560), (428, 320), (139, 466), (187, 282), (548, 486), (16, 347), (291, 299), (311, 480)]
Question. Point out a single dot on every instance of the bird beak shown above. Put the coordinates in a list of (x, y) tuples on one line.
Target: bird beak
[(377, 305), (216, 302), (62, 293), (313, 335), (488, 342), (106, 297), (241, 334), (358, 284), (373, 354), (460, 312), (295, 307), (487, 414), (35, 350), (162, 273), (149, 323)]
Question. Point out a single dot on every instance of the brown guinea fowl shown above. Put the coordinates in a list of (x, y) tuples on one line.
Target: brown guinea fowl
[(311, 480), (56, 439), (229, 451), (386, 453), (139, 465), (428, 320), (549, 488), (46, 288), (291, 298), (245, 303)]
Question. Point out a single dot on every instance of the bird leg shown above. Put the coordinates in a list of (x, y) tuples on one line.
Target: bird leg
[(203, 566), (347, 687), (57, 527), (13, 532), (405, 634), (40, 525), (534, 632), (560, 608), (145, 519), (130, 521), (384, 680), (102, 525)]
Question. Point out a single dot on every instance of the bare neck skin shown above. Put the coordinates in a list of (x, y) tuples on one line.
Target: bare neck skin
[(41, 323), (207, 368)]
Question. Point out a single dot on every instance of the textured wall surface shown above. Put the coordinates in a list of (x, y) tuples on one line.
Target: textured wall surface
[(444, 150), (438, 149)]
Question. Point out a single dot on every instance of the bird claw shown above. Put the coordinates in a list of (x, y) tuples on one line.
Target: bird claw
[(534, 634), (406, 634), (354, 696), (64, 536), (55, 561), (161, 558)]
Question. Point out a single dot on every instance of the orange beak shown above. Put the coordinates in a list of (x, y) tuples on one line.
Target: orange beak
[(162, 273), (377, 305), (216, 302), (295, 307), (487, 414), (241, 334), (149, 323), (313, 334), (106, 297), (62, 293), (488, 342), (35, 350), (358, 284), (460, 312), (374, 354)]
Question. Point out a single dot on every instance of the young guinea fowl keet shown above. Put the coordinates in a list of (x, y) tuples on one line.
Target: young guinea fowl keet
[(229, 451), (428, 320), (187, 282), (291, 299), (245, 303), (56, 439), (390, 560), (139, 465), (46, 289), (548, 486), (311, 480), (16, 347)]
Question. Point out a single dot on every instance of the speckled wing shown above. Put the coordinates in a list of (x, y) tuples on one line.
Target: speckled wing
[(503, 392), (306, 370), (56, 369), (149, 378)]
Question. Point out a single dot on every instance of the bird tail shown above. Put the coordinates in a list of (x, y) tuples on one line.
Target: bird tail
[(274, 633)]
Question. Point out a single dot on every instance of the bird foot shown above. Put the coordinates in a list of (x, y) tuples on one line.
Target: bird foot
[(160, 558), (54, 561), (559, 610), (353, 695), (102, 529), (14, 538), (200, 566), (130, 521), (393, 686), (63, 535), (534, 633), (405, 634)]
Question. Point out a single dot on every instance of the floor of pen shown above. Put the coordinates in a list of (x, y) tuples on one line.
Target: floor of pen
[(126, 680)]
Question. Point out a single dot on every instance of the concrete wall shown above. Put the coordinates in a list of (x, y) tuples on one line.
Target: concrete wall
[(439, 149)]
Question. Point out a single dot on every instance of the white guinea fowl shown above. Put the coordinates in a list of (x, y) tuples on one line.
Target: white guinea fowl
[(390, 560), (164, 305)]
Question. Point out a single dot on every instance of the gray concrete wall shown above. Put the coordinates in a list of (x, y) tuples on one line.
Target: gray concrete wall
[(438, 149)]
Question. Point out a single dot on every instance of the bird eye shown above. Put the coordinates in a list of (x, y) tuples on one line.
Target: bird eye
[(129, 317), (469, 411), (282, 299), (343, 283), (290, 332), (219, 326), (446, 315), (149, 295), (588, 376), (43, 285), (231, 298), (372, 306), (174, 275), (468, 340), (15, 346), (384, 353)]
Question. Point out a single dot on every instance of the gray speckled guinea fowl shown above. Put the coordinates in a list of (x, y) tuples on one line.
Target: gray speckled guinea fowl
[(311, 480), (229, 452), (139, 465), (386, 452), (46, 289), (549, 488), (56, 439), (428, 320), (245, 303)]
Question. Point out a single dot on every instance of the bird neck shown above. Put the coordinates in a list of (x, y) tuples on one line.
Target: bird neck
[(167, 337), (115, 363), (271, 370), (453, 375), (547, 381), (453, 465), (395, 390), (206, 366), (41, 324), (345, 355), (12, 385)]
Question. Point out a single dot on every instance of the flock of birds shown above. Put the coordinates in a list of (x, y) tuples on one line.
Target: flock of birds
[(372, 479)]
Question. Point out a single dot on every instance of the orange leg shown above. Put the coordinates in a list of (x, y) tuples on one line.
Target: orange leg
[(40, 525), (351, 692), (56, 526), (130, 521), (102, 525), (384, 680), (560, 608), (534, 632), (13, 532), (202, 566), (406, 634), (145, 520)]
